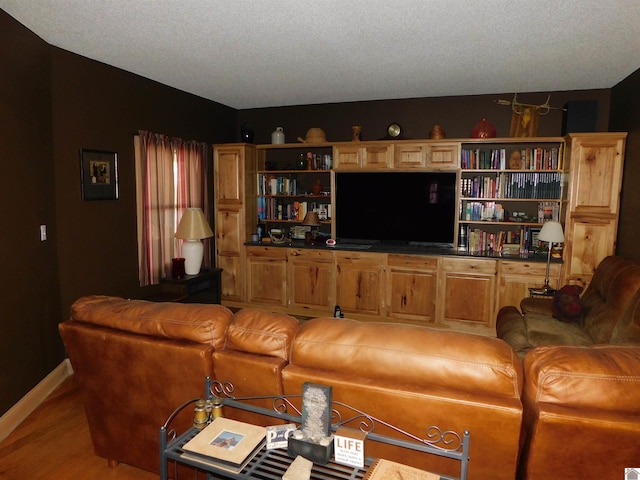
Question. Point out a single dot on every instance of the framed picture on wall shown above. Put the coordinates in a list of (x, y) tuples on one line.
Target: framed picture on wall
[(99, 174)]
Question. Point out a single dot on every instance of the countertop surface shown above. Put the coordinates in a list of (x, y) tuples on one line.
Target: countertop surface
[(409, 249)]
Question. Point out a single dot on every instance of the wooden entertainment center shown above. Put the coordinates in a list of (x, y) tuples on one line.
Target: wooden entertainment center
[(575, 178)]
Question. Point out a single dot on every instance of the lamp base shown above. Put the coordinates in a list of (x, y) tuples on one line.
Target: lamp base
[(193, 252)]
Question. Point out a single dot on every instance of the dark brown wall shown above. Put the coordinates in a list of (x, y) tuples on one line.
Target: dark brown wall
[(30, 303), (96, 106), (625, 117), (52, 103), (456, 115)]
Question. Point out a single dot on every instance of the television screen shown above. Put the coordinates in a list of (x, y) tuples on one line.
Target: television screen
[(395, 207)]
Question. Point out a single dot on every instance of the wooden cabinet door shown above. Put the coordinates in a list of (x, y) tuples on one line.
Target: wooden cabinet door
[(591, 240), (229, 174), (411, 287), (591, 225), (596, 173), (310, 280), (466, 293), (410, 155), (229, 251), (347, 157), (443, 156), (266, 275), (359, 282), (232, 164), (515, 279), (377, 157), (231, 278)]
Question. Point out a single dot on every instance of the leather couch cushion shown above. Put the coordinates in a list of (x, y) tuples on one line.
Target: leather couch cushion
[(408, 354), (604, 377), (262, 333), (544, 330), (615, 282), (628, 327), (193, 322)]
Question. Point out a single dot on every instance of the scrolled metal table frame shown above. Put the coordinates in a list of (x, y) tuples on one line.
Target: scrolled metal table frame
[(272, 464)]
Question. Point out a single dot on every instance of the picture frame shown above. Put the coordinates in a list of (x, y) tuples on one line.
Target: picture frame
[(534, 243), (99, 174)]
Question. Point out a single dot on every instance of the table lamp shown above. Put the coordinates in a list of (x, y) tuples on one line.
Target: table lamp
[(193, 227), (312, 220), (551, 232)]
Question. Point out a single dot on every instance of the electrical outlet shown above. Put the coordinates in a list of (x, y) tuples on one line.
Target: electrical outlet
[(43, 233)]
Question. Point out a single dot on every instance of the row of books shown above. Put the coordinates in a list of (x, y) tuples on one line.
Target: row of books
[(484, 212), (523, 185), (270, 208), (504, 242), (278, 185), (494, 212), (532, 158)]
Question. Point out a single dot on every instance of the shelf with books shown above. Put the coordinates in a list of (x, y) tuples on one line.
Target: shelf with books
[(292, 180), (511, 184), (514, 155), (508, 188), (494, 239), (509, 211)]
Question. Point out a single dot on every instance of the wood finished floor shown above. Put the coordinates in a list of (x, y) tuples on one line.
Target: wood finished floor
[(54, 443)]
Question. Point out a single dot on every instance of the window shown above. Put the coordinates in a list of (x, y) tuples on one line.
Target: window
[(171, 175)]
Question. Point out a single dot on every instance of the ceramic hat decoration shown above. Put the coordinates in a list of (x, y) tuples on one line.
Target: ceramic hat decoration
[(314, 135)]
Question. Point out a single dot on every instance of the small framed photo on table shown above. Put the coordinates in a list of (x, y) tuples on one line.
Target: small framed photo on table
[(534, 243), (99, 174)]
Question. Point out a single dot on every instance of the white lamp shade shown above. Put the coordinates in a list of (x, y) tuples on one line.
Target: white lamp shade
[(551, 232)]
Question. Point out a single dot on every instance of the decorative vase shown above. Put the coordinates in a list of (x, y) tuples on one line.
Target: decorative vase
[(277, 137), (246, 132), (437, 133), (483, 129)]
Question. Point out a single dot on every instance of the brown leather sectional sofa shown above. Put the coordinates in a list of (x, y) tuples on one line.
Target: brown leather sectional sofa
[(137, 361), (566, 411), (582, 380)]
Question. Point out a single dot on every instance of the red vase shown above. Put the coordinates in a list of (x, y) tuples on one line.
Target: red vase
[(483, 129)]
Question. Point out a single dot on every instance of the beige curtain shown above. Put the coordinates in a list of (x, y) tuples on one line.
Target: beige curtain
[(170, 176)]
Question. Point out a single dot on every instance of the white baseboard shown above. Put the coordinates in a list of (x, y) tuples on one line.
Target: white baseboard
[(27, 404)]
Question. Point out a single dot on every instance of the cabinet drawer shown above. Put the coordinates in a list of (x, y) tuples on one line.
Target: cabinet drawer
[(321, 256), (267, 253), (413, 261), (525, 268), (469, 265)]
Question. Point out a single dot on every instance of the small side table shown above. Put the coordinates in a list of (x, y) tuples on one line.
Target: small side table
[(541, 292), (204, 287)]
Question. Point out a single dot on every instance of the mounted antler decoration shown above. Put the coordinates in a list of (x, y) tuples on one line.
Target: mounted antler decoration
[(524, 119)]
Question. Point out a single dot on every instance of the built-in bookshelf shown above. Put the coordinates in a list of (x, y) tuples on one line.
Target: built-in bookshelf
[(291, 181), (507, 190)]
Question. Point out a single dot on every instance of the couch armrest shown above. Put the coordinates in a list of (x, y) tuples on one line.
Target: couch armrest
[(537, 305), (512, 328)]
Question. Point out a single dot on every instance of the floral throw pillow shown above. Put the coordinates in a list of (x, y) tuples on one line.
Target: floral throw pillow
[(566, 304)]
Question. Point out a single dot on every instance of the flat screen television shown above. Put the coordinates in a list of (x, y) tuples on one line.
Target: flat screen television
[(396, 207)]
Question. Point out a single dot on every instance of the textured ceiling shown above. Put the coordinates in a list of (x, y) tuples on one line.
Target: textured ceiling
[(292, 52)]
